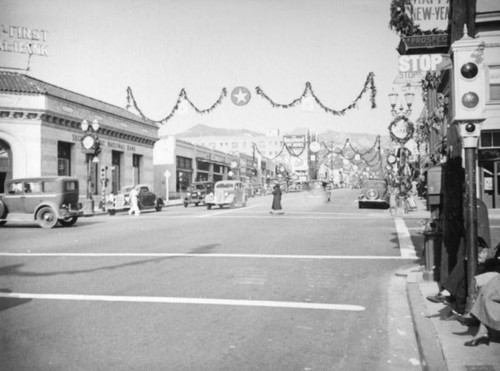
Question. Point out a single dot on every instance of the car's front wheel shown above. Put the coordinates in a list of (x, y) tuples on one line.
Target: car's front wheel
[(46, 217), (68, 222), (209, 206), (159, 205)]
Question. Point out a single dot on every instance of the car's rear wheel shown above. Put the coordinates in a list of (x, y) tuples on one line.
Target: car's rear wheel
[(209, 206), (186, 204), (111, 212), (68, 222), (46, 217), (196, 203)]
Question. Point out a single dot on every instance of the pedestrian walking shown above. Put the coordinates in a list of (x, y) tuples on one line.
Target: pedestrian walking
[(276, 206), (134, 202)]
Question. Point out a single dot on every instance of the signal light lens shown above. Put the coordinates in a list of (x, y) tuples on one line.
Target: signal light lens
[(470, 128), (470, 100), (469, 70)]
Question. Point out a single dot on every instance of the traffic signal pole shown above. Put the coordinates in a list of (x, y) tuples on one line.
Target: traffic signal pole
[(471, 226), (468, 111)]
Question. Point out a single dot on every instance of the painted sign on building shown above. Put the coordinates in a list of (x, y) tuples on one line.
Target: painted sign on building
[(24, 40)]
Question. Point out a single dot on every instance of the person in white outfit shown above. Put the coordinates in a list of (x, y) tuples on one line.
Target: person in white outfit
[(134, 202)]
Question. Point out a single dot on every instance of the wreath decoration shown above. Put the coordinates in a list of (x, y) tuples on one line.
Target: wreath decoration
[(401, 129), (402, 22)]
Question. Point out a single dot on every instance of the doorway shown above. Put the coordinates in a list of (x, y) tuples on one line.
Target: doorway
[(5, 164)]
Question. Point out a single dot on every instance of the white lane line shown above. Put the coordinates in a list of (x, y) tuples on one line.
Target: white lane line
[(405, 245), (175, 300), (187, 255), (208, 214)]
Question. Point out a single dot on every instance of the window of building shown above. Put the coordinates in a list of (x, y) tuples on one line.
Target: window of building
[(494, 81), (64, 158), (490, 138), (184, 163), (202, 165), (136, 165)]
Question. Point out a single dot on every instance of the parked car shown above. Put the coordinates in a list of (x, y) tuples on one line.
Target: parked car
[(374, 193), (226, 193), (47, 200), (196, 193), (121, 202)]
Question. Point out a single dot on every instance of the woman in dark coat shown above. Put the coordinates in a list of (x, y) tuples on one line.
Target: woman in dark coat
[(276, 206)]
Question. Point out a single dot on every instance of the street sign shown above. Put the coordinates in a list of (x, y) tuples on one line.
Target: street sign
[(423, 63), (167, 174)]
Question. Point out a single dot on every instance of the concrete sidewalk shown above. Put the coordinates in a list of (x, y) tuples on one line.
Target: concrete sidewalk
[(441, 341)]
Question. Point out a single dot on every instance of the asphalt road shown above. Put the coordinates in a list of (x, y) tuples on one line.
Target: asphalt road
[(221, 289)]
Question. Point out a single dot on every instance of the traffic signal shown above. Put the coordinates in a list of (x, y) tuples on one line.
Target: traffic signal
[(470, 132), (468, 80), (103, 172)]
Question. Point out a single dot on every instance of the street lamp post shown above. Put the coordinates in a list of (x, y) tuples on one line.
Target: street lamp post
[(91, 148)]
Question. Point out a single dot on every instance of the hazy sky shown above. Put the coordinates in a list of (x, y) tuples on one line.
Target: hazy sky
[(157, 47)]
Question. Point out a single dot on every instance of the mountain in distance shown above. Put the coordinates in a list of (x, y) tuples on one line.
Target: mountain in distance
[(360, 141), (201, 130)]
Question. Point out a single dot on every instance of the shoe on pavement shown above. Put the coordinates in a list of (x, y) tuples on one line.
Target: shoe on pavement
[(439, 298)]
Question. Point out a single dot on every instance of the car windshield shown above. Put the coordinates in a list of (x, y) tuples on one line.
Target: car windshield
[(201, 186), (225, 185)]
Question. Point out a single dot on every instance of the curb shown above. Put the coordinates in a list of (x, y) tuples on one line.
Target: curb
[(430, 349)]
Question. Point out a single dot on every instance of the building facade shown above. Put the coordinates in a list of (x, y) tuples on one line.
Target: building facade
[(178, 163), (41, 135)]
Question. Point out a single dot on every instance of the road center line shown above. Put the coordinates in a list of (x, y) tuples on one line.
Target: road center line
[(187, 255), (175, 300)]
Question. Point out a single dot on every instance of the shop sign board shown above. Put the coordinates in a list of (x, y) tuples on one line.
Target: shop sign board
[(24, 40), (294, 141)]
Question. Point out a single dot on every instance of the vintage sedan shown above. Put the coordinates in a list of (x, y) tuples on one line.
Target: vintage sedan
[(196, 193), (47, 200), (374, 194), (121, 201), (227, 193)]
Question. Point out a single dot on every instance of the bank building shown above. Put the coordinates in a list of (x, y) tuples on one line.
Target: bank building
[(46, 130)]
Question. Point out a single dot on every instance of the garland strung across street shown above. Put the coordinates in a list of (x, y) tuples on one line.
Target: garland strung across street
[(369, 84), (347, 151), (362, 155), (182, 97)]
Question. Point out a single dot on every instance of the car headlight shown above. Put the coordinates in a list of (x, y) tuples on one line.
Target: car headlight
[(226, 194), (372, 194), (188, 194)]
